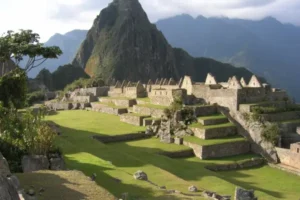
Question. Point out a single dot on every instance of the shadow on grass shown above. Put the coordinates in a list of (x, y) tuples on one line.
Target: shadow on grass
[(122, 155), (54, 187)]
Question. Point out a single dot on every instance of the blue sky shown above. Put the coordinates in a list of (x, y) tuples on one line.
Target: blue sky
[(48, 17)]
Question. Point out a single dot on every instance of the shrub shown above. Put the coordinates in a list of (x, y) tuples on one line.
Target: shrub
[(271, 133), (35, 97)]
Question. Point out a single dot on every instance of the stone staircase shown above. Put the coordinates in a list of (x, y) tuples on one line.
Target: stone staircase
[(214, 136)]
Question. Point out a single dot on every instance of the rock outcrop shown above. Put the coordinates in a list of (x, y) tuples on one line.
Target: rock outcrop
[(122, 43)]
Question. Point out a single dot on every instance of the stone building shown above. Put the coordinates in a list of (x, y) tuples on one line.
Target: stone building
[(295, 147)]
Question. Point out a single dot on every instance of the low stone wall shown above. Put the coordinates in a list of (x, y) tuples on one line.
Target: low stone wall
[(249, 107), (124, 102), (60, 106), (287, 157), (207, 122), (281, 116), (178, 154), (113, 111), (149, 122), (133, 119), (85, 99), (214, 132), (154, 112), (106, 100), (121, 138), (219, 150), (205, 110), (255, 162)]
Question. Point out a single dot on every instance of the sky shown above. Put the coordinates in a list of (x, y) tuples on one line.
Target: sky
[(48, 17)]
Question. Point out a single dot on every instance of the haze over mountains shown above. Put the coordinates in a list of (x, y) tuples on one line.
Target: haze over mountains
[(266, 47)]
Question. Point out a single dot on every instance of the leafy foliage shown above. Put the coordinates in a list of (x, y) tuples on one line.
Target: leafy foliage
[(15, 46), (23, 133), (271, 133), (35, 97), (65, 75), (13, 88)]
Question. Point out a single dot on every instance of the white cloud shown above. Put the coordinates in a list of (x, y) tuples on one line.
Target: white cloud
[(51, 16)]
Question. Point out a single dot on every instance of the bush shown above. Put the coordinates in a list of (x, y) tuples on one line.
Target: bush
[(34, 97), (271, 133)]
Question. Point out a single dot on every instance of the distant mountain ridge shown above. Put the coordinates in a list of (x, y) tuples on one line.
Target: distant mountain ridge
[(123, 44), (69, 44), (266, 47)]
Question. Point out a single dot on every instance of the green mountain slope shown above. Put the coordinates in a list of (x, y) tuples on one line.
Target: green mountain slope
[(123, 44)]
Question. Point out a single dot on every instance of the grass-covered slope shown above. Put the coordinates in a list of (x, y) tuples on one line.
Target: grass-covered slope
[(121, 160)]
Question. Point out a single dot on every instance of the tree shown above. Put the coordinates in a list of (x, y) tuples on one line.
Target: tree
[(17, 45)]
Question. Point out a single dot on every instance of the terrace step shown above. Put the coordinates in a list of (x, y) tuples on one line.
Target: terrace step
[(213, 120), (121, 101), (203, 110), (281, 116), (205, 149), (178, 154), (149, 109), (108, 108), (290, 126), (249, 107), (121, 138), (134, 119), (214, 131)]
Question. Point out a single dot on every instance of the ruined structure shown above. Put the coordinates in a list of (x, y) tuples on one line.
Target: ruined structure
[(143, 104)]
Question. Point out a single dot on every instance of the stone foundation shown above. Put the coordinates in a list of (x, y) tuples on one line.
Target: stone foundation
[(121, 138), (255, 162), (154, 112), (133, 119), (207, 122), (219, 150), (214, 132)]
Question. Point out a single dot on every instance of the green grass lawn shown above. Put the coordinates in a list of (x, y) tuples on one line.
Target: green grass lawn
[(199, 125), (145, 99), (202, 142), (121, 160)]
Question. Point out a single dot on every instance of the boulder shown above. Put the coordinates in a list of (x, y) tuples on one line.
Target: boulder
[(7, 190), (4, 168), (14, 181), (34, 163), (140, 175), (57, 164), (193, 188), (178, 141), (242, 194)]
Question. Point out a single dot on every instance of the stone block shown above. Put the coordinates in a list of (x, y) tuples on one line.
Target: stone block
[(34, 163), (242, 194), (178, 141), (205, 110)]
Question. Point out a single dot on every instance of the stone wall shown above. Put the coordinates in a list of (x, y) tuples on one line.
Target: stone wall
[(121, 138), (133, 119), (96, 91), (150, 121), (178, 154), (295, 147), (290, 127), (60, 106), (219, 150), (154, 112), (215, 132), (255, 162), (207, 122), (85, 99), (113, 111), (205, 110), (124, 102), (288, 157)]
